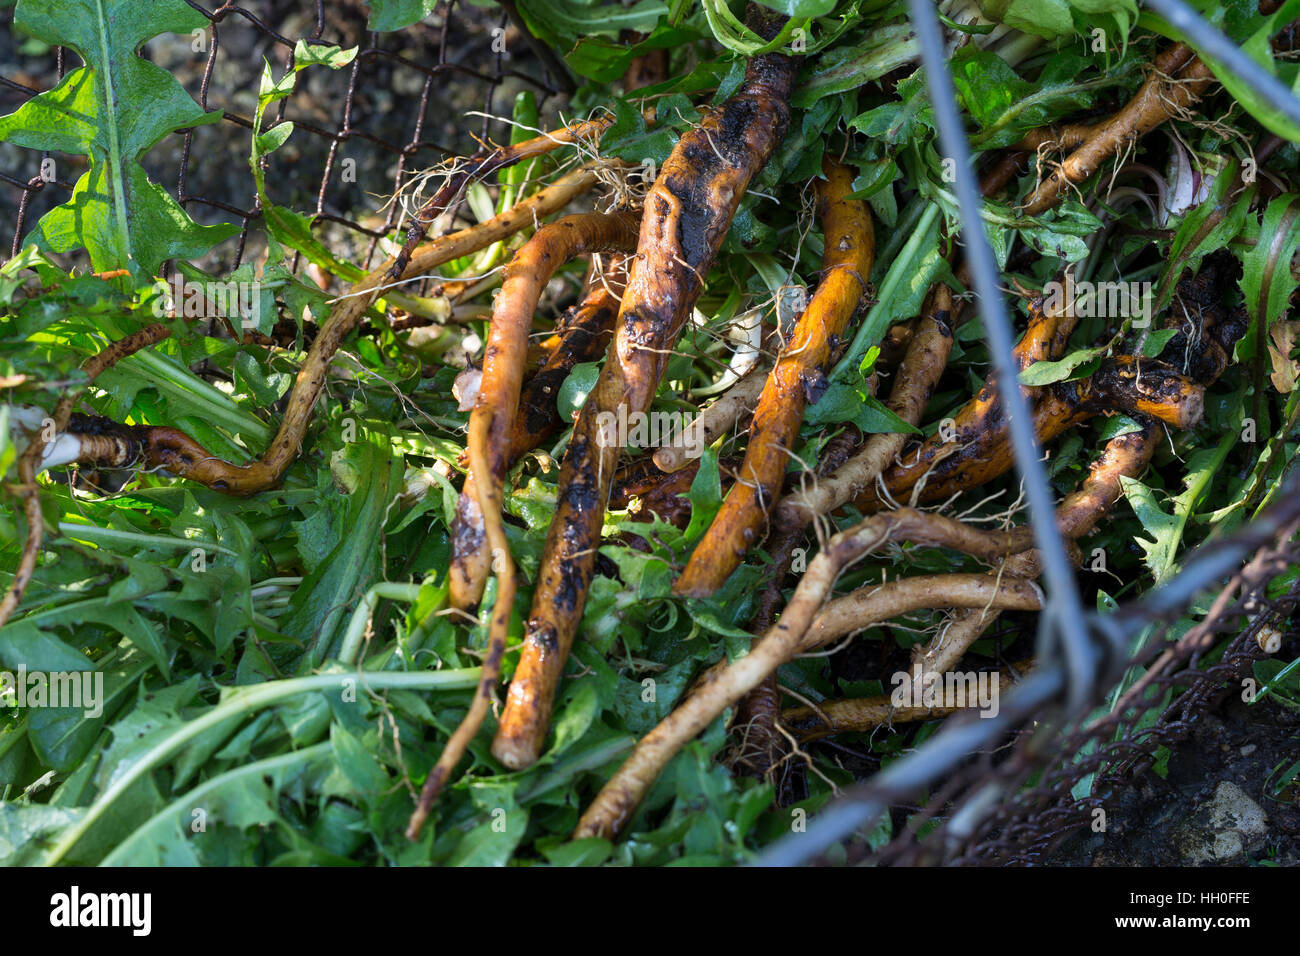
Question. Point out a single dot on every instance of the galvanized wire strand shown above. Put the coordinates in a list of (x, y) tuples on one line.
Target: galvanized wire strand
[(1206, 39), (1062, 615), (863, 805)]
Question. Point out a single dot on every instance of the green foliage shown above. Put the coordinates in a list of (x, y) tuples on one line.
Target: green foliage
[(112, 110), (1045, 18), (1006, 106), (1267, 280), (1205, 227), (1046, 372), (849, 67), (562, 22), (1166, 530), (388, 15), (286, 226), (288, 663)]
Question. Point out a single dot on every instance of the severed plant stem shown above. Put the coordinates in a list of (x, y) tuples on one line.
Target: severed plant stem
[(29, 491)]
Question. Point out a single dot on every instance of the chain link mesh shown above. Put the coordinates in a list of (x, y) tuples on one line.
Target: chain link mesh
[(1015, 803)]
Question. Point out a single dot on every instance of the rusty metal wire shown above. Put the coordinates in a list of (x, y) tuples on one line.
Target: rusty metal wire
[(453, 42)]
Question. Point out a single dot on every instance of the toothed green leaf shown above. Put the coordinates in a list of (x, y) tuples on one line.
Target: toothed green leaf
[(113, 110)]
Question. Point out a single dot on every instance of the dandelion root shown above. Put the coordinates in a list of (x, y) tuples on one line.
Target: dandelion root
[(491, 422), (688, 212), (795, 380)]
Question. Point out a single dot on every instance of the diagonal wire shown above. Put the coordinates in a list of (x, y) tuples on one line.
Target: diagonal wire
[(1206, 39), (959, 737), (1062, 615)]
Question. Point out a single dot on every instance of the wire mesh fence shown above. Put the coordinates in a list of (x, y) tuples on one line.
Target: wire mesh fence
[(1108, 693), (361, 134), (1007, 801), (1014, 805)]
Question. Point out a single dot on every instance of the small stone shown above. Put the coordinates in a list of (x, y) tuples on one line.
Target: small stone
[(1223, 828), (466, 387), (1232, 809)]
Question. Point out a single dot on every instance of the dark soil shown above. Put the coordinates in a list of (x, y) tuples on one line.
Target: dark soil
[(1163, 821)]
